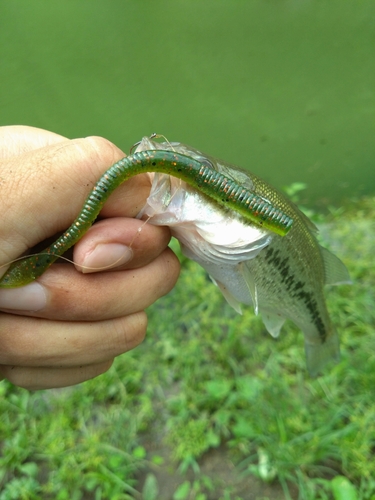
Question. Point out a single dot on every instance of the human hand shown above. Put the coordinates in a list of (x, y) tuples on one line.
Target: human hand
[(69, 326)]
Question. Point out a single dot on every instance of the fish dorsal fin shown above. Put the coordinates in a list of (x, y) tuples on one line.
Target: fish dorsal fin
[(273, 322), (335, 271), (232, 301), (250, 283)]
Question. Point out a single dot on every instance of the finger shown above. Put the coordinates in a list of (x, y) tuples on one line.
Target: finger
[(43, 191), (51, 378), (119, 243), (18, 139), (32, 342), (34, 188), (72, 296)]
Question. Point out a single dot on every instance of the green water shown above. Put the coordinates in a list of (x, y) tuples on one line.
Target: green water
[(284, 88)]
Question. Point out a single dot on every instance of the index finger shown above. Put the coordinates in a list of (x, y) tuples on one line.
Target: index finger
[(42, 191)]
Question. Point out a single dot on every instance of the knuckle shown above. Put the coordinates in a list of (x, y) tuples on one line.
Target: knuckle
[(104, 148), (134, 330)]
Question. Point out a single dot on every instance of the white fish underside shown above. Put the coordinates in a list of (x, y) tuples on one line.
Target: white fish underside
[(275, 274)]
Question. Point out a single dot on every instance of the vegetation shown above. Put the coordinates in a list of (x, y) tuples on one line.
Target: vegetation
[(210, 406)]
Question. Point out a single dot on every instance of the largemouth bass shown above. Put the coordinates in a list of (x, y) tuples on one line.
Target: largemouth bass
[(281, 276)]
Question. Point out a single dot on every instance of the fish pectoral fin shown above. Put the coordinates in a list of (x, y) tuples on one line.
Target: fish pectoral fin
[(335, 271), (273, 322), (318, 355), (250, 283), (232, 301)]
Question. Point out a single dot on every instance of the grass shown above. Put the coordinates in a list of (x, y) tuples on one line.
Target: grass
[(210, 406)]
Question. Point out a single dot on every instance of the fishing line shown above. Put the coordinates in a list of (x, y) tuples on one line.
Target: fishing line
[(81, 266)]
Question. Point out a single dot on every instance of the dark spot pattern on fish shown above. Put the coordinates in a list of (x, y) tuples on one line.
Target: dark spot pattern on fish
[(312, 306), (296, 289)]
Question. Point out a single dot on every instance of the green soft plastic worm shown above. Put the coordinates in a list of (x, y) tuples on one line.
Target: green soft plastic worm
[(225, 191)]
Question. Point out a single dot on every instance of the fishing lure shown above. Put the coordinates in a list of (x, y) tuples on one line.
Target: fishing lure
[(221, 188)]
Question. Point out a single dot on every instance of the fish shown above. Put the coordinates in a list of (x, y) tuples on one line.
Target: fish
[(282, 277)]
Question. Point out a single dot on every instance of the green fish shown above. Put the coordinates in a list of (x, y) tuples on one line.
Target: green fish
[(281, 276)]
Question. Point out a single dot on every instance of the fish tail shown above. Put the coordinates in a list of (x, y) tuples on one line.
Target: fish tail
[(318, 355)]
